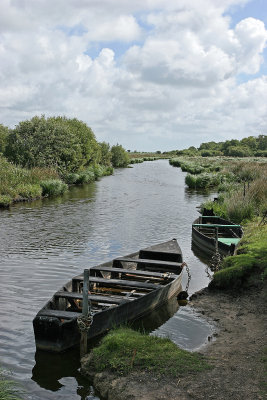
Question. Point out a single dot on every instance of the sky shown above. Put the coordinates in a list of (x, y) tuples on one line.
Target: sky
[(148, 74)]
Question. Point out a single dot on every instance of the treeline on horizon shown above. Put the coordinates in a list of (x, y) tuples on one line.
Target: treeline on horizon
[(246, 147)]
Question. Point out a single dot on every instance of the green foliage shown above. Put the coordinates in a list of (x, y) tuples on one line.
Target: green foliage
[(53, 187), (17, 184), (119, 157), (88, 175), (239, 151), (3, 137), (123, 350), (105, 154), (205, 180), (58, 142), (136, 160), (250, 261), (8, 390), (245, 147)]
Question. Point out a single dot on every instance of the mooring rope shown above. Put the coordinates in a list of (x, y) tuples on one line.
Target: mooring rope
[(84, 322)]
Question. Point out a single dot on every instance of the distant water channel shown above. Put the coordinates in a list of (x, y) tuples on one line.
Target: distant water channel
[(45, 243)]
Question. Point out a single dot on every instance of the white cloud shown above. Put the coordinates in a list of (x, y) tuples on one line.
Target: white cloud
[(175, 84)]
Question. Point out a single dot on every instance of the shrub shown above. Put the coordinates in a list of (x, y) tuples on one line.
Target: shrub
[(5, 200), (29, 191), (53, 187), (119, 157), (65, 144)]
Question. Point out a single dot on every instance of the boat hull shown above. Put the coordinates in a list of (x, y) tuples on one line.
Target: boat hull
[(56, 334), (207, 245)]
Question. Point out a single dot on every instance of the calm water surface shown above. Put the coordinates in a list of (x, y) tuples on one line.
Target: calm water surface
[(44, 243)]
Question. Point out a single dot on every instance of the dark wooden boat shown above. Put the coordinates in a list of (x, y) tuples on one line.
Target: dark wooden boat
[(209, 231), (119, 291)]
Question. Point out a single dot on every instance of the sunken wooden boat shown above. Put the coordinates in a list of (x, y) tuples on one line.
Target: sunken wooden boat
[(120, 291), (210, 232)]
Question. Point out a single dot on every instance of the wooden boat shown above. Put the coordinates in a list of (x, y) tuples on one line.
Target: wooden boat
[(119, 291), (209, 231)]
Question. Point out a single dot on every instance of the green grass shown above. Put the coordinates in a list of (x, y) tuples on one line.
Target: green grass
[(124, 350), (53, 187), (249, 264), (18, 184), (88, 175), (7, 389)]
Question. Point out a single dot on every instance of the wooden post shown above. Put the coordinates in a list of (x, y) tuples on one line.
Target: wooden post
[(216, 239), (85, 311)]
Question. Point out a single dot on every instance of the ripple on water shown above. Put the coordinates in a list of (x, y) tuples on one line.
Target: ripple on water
[(44, 243)]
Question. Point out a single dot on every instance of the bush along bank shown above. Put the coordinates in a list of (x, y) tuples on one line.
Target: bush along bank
[(22, 184), (42, 156)]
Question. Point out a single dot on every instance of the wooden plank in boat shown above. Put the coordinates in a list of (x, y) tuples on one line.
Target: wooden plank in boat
[(133, 272), (92, 297), (59, 313), (121, 283), (147, 261)]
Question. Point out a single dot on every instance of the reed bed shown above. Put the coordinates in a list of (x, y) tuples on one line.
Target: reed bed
[(22, 184)]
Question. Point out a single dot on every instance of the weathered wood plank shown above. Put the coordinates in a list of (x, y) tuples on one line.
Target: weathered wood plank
[(132, 272), (59, 313), (92, 297), (121, 283), (149, 262)]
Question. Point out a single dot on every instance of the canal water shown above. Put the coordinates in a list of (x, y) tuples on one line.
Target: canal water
[(44, 243)]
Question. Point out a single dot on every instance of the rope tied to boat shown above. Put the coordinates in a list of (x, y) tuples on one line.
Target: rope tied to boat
[(84, 322), (216, 261)]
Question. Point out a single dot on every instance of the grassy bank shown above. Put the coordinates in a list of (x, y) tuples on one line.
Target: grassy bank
[(249, 265), (220, 172), (124, 350), (22, 184)]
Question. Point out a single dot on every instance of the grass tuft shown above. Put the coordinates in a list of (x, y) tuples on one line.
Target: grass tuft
[(53, 187), (8, 390), (124, 350)]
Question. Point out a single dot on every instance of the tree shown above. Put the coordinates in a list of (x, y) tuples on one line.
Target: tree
[(67, 145), (3, 137), (105, 154), (119, 156)]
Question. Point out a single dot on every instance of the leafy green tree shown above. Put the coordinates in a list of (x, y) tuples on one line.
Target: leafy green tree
[(67, 145), (120, 157), (262, 142), (105, 153), (3, 137), (239, 151)]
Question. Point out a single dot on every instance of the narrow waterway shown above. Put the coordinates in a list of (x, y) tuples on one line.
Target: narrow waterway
[(45, 243)]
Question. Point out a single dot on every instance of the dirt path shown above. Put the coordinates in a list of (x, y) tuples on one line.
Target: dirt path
[(235, 354)]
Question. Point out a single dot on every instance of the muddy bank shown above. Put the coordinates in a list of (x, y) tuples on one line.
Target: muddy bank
[(235, 355)]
